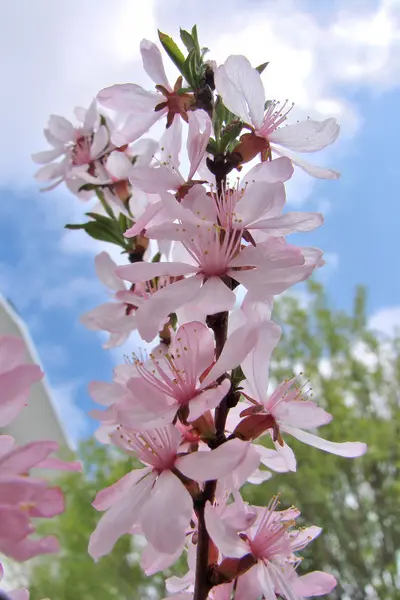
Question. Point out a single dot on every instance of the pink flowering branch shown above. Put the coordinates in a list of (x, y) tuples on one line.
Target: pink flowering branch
[(197, 410)]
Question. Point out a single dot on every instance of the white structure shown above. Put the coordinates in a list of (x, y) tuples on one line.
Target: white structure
[(38, 420)]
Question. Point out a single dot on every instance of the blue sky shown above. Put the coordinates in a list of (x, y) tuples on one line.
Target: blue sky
[(331, 58)]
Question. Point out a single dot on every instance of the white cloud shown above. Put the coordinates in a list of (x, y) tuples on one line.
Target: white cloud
[(363, 354), (61, 54), (386, 320)]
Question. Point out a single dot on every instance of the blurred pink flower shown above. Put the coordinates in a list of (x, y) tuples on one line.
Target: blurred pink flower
[(16, 377)]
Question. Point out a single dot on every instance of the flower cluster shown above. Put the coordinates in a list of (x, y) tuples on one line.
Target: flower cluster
[(24, 497), (207, 253)]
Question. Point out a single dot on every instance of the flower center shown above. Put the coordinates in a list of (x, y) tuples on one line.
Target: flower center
[(177, 102), (174, 372), (213, 249), (271, 539), (274, 116), (80, 152)]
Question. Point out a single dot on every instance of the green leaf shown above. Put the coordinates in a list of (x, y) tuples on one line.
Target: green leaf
[(195, 37), (98, 217), (123, 222), (87, 187), (102, 228), (230, 134), (190, 73), (104, 203), (75, 226), (212, 147), (99, 231), (156, 258), (262, 67), (187, 39), (173, 51)]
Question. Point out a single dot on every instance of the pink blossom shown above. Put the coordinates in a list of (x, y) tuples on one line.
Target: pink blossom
[(289, 408), (16, 377), (142, 109), (254, 209), (23, 497), (183, 381), (78, 146), (213, 256), (111, 174), (154, 497), (242, 91), (117, 317), (268, 537), (167, 176)]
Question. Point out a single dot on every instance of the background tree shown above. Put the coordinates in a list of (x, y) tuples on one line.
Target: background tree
[(355, 375)]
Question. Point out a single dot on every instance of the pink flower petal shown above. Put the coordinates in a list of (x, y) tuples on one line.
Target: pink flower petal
[(128, 97), (116, 492), (122, 515), (305, 536), (241, 89), (282, 584), (272, 459), (291, 222), (137, 124), (265, 580), (6, 444), (248, 586), (143, 271), (345, 449), (42, 158), (200, 127), (313, 170), (261, 199), (118, 165), (256, 365), (300, 413), (100, 142), (224, 536), (14, 525), (24, 458), (171, 144), (149, 213), (56, 464), (214, 296), (15, 389), (213, 464), (236, 348), (279, 169), (20, 594), (153, 63), (166, 514), (306, 136), (28, 548), (106, 393), (316, 583), (287, 454), (207, 400), (105, 269), (151, 315), (153, 561), (200, 339), (61, 129), (153, 180)]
